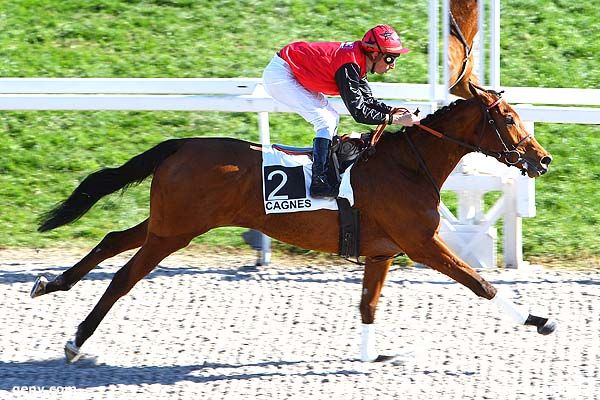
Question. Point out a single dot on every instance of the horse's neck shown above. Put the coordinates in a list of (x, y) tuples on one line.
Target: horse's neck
[(439, 156), (466, 14)]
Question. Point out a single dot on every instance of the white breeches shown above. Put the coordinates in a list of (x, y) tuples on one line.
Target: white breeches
[(281, 84)]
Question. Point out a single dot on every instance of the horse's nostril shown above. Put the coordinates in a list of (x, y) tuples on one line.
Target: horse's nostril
[(546, 160)]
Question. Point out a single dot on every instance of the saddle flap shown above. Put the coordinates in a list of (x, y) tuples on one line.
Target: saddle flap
[(348, 148), (292, 150)]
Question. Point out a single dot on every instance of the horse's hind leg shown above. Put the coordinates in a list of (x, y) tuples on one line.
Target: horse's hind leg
[(154, 250), (435, 254), (113, 243), (374, 276)]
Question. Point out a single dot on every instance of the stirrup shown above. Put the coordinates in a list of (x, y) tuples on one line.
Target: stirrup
[(323, 189)]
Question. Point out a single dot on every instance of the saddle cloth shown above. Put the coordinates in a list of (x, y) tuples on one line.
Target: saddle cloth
[(286, 183)]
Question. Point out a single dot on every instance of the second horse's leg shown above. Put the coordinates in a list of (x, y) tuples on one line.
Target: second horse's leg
[(113, 243), (374, 276), (154, 250)]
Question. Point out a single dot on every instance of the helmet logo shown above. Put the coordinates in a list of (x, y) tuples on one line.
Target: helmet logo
[(387, 34)]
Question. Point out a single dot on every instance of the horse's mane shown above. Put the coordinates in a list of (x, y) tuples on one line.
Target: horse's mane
[(442, 111), (430, 118)]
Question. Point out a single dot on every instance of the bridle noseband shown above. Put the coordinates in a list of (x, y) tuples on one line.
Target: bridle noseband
[(508, 153)]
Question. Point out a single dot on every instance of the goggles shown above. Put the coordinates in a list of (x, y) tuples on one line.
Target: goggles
[(389, 58)]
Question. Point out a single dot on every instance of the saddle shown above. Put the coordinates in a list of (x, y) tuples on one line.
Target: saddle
[(345, 151), (345, 148)]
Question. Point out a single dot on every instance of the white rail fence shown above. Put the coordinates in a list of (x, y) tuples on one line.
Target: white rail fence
[(207, 94), (471, 232)]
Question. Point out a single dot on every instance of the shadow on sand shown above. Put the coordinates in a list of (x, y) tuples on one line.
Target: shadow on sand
[(87, 373)]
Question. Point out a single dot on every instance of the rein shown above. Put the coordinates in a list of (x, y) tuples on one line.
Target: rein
[(455, 30), (381, 127), (423, 165)]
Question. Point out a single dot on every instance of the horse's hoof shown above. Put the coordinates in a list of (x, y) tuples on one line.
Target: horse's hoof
[(72, 352), (39, 287), (384, 359), (393, 359), (549, 327)]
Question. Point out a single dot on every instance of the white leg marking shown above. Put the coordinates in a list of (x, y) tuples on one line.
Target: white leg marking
[(517, 314), (368, 351)]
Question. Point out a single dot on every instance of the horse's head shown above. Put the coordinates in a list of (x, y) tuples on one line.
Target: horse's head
[(504, 135)]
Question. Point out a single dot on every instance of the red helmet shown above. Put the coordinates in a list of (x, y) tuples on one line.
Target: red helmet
[(384, 39)]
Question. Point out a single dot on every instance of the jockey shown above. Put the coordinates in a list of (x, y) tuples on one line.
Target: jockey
[(302, 73)]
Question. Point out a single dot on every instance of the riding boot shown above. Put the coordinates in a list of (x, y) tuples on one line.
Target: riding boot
[(320, 186)]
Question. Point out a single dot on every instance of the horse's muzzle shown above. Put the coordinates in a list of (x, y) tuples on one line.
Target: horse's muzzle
[(535, 169), (546, 160)]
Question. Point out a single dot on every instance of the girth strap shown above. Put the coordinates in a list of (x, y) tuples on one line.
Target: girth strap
[(349, 229)]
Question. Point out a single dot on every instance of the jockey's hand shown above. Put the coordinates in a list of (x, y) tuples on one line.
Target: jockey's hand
[(405, 119)]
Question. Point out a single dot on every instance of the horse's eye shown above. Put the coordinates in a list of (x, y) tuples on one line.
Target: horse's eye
[(510, 120)]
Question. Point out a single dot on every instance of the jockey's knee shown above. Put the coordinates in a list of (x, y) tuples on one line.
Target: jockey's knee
[(326, 123), (325, 133)]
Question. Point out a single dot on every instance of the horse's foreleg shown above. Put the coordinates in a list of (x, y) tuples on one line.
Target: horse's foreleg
[(435, 254), (113, 243), (373, 279), (145, 260)]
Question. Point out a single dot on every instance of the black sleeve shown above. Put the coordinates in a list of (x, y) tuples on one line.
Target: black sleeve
[(358, 98), (370, 100)]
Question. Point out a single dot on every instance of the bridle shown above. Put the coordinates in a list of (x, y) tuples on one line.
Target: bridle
[(507, 153), (510, 154)]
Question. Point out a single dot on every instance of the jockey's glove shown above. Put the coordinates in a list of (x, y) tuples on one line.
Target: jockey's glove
[(405, 118)]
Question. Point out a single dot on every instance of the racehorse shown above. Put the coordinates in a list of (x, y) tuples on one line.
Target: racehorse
[(464, 15), (204, 183)]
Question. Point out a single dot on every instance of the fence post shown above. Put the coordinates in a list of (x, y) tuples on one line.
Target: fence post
[(520, 202), (264, 257), (513, 239), (495, 44), (446, 50), (479, 43), (433, 50)]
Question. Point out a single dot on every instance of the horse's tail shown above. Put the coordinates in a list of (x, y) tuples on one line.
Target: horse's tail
[(105, 182)]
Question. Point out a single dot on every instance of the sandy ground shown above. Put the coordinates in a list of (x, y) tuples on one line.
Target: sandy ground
[(213, 326)]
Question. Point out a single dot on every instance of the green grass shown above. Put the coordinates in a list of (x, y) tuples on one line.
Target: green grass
[(45, 154)]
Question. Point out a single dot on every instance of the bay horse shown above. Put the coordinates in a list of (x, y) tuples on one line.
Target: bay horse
[(464, 19), (204, 183)]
